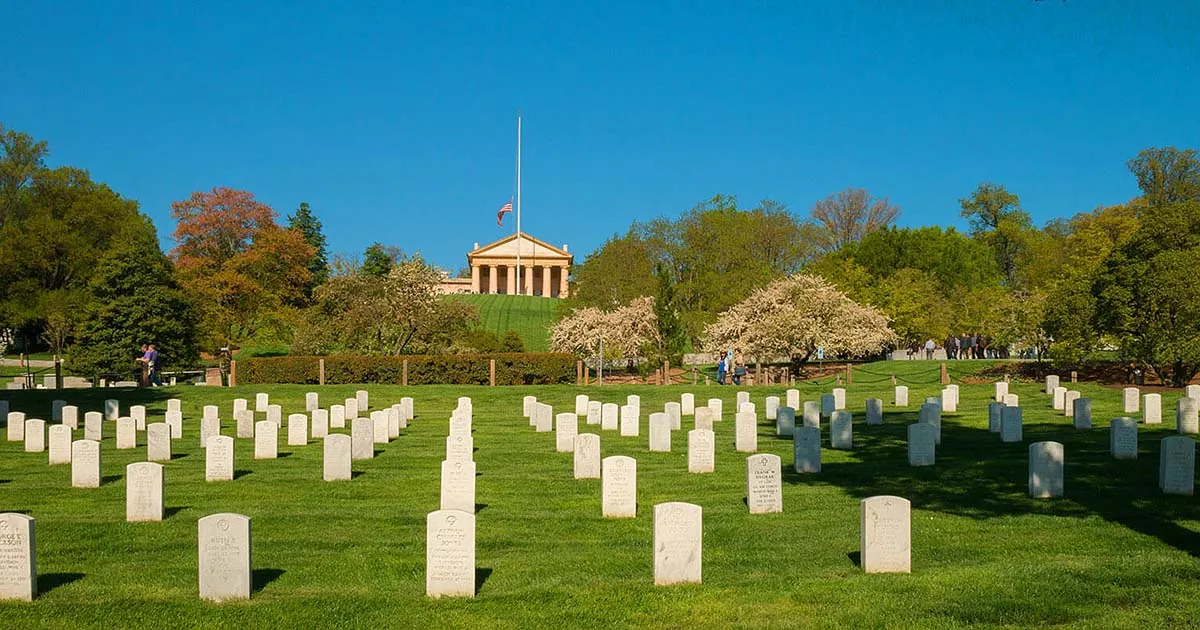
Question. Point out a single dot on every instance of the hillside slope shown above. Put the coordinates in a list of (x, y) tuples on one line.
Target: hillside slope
[(530, 316)]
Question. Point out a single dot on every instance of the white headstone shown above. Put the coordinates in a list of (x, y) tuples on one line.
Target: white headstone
[(70, 416), (629, 421), (701, 451), (806, 449), (336, 455), (158, 442), (874, 411), (900, 397), (785, 421), (297, 429), (745, 432), (16, 426), (218, 459), (112, 409), (1192, 391), (678, 543), (527, 404), (635, 401), (1069, 399), (566, 427), (1187, 419), (675, 412), (266, 440), (839, 398), (594, 411), (949, 400), (1152, 408), (1010, 424), (244, 419), (337, 417), (812, 414), (240, 404), (18, 558), (581, 405), (138, 413), (362, 439), (312, 402), (747, 407), (1130, 397), (1051, 383), (458, 485), (1045, 470), (224, 542), (687, 404), (175, 421), (995, 409), (932, 414), (718, 409), (261, 402), (35, 436), (460, 447), (1177, 465), (792, 397), (922, 449), (143, 492), (275, 414), (742, 397), (381, 427), (1012, 400), (543, 417), (764, 483), (93, 425), (587, 456), (1001, 391), (841, 430), (771, 407), (828, 405), (351, 406), (85, 464), (886, 535), (126, 433), (175, 404), (60, 444), (406, 406), (660, 432), (619, 487), (1123, 438), (1059, 394), (1081, 413), (450, 554), (609, 418)]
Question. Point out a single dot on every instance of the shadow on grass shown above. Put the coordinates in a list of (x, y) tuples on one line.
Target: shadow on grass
[(172, 511), (47, 582), (355, 474), (479, 507), (481, 576), (238, 474), (283, 454), (175, 456), (260, 578), (107, 479), (978, 476), (5, 480), (855, 558)]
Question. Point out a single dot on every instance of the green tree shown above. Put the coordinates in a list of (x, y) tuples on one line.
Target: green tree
[(305, 222), (378, 259), (135, 300), (672, 338), (846, 217), (619, 271), (996, 218)]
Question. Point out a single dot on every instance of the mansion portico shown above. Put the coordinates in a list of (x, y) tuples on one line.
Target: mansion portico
[(544, 268)]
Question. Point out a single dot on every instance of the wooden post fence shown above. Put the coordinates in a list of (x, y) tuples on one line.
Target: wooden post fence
[(492, 372), (232, 373), (321, 371), (404, 373)]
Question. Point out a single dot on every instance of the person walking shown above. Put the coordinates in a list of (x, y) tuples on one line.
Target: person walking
[(721, 366), (154, 363), (739, 366), (929, 347)]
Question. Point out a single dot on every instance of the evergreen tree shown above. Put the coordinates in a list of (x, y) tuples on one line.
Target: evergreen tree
[(666, 311), (310, 227), (378, 260)]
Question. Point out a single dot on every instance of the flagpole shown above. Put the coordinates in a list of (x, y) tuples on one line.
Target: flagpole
[(519, 202)]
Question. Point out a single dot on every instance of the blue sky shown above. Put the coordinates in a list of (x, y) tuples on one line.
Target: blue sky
[(396, 121)]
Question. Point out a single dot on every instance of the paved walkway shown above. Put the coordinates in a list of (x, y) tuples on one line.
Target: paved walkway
[(32, 363)]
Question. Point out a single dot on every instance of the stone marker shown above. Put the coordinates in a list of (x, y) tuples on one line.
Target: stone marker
[(126, 433), (587, 456), (806, 450), (828, 403), (450, 554), (1045, 470), (660, 432), (764, 483), (1012, 400), (312, 402), (266, 440), (618, 487), (275, 414), (1187, 420), (609, 419), (1192, 391), (337, 417), (175, 421), (406, 406), (85, 464), (629, 421), (460, 424), (112, 409), (687, 404), (60, 444), (747, 408), (841, 430), (143, 492), (381, 427), (16, 426), (218, 459), (1082, 413), (336, 456), (635, 401), (175, 404), (138, 413), (320, 423), (240, 404), (900, 397), (1130, 397), (674, 411), (245, 423), (35, 436), (56, 407), (1051, 383), (566, 427), (839, 398), (701, 451), (362, 399), (771, 407), (211, 426), (745, 432), (792, 398), (785, 421), (874, 411), (581, 405), (995, 409), (1152, 408), (1010, 424), (595, 411), (18, 558), (932, 414), (224, 542), (158, 442), (460, 448), (362, 443), (211, 411), (396, 421), (527, 404), (543, 417), (1123, 438), (1059, 398), (717, 406), (458, 485), (351, 406), (949, 400), (678, 543), (703, 418), (1069, 399), (886, 535), (922, 447), (742, 397), (1177, 465), (1001, 391), (812, 414), (297, 430), (261, 402), (70, 416)]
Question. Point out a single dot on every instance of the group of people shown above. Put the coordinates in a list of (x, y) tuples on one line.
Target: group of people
[(731, 366), (966, 346), (151, 364)]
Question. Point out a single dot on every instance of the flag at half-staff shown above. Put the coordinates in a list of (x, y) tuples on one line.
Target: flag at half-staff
[(500, 215)]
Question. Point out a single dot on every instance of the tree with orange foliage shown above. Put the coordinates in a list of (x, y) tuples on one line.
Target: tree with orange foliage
[(246, 273)]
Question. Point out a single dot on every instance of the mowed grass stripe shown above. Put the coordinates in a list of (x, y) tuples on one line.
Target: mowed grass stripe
[(531, 317)]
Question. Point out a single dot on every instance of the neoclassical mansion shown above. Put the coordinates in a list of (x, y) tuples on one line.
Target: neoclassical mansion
[(544, 268)]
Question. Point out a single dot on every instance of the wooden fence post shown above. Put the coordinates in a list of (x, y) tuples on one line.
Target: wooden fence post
[(693, 375), (321, 371), (945, 375), (492, 372), (849, 375), (233, 373), (404, 373), (579, 372), (666, 372)]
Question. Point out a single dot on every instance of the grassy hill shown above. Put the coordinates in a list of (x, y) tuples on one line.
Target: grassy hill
[(530, 316)]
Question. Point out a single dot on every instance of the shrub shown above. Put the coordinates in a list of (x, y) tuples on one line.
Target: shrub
[(524, 368)]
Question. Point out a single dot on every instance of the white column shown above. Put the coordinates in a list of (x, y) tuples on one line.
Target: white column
[(493, 279), (511, 287), (562, 282), (528, 286), (474, 278), (546, 280)]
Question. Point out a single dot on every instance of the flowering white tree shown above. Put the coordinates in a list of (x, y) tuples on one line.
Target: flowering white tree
[(624, 331), (796, 315)]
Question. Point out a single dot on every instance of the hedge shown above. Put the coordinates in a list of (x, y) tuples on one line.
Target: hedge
[(514, 368)]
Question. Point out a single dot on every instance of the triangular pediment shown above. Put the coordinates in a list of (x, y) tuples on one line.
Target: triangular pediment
[(528, 246)]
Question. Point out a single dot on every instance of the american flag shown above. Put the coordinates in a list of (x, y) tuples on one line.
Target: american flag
[(500, 215)]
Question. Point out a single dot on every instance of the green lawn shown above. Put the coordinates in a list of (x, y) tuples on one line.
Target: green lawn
[(530, 316), (1115, 553)]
